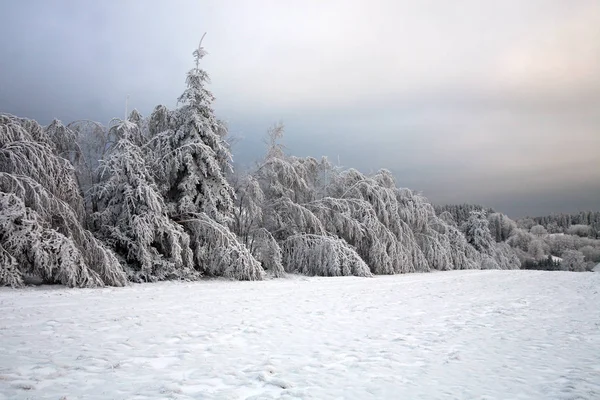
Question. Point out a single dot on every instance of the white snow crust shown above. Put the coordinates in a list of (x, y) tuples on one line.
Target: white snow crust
[(445, 335)]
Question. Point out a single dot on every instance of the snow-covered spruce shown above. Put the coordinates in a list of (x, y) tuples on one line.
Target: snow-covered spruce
[(41, 228), (322, 255), (192, 158), (191, 153), (132, 216)]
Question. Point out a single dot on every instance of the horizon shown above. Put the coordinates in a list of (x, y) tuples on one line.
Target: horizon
[(491, 104)]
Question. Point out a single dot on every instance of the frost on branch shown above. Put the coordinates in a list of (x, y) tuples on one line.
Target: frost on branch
[(266, 250), (218, 252), (286, 218), (393, 230), (42, 214), (495, 255), (355, 221), (248, 210), (322, 255), (477, 232), (132, 216), (31, 248), (64, 141), (22, 155)]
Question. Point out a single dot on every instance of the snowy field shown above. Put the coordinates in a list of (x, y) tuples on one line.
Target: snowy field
[(445, 335)]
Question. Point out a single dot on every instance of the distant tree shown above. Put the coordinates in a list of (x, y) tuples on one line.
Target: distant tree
[(591, 253), (538, 230), (495, 255), (573, 260), (526, 223), (501, 227), (477, 232), (579, 230), (521, 239), (548, 264), (537, 249), (553, 227)]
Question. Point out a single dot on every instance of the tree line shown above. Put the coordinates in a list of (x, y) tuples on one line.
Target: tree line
[(574, 247), (156, 198)]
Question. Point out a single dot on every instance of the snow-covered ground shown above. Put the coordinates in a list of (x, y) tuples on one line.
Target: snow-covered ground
[(446, 335)]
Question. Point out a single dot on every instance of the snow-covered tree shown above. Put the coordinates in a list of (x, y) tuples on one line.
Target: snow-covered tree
[(537, 249), (501, 227), (191, 152), (573, 260), (248, 224), (42, 214), (322, 255), (267, 251), (592, 254), (190, 169), (477, 232), (538, 230), (218, 252), (64, 142), (580, 230), (132, 215), (495, 255), (392, 230)]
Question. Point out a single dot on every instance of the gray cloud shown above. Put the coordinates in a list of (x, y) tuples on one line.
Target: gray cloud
[(469, 101)]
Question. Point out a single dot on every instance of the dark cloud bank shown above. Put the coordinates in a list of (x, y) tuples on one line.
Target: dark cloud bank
[(479, 102)]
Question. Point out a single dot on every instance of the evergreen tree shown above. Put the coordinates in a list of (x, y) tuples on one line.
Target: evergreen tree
[(191, 172), (192, 154), (132, 215)]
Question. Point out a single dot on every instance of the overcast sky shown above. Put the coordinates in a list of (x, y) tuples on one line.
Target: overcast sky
[(479, 101)]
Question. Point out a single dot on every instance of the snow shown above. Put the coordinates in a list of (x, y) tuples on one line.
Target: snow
[(596, 268), (556, 259), (461, 334)]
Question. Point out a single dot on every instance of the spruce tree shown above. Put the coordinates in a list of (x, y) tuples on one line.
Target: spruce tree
[(132, 215)]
